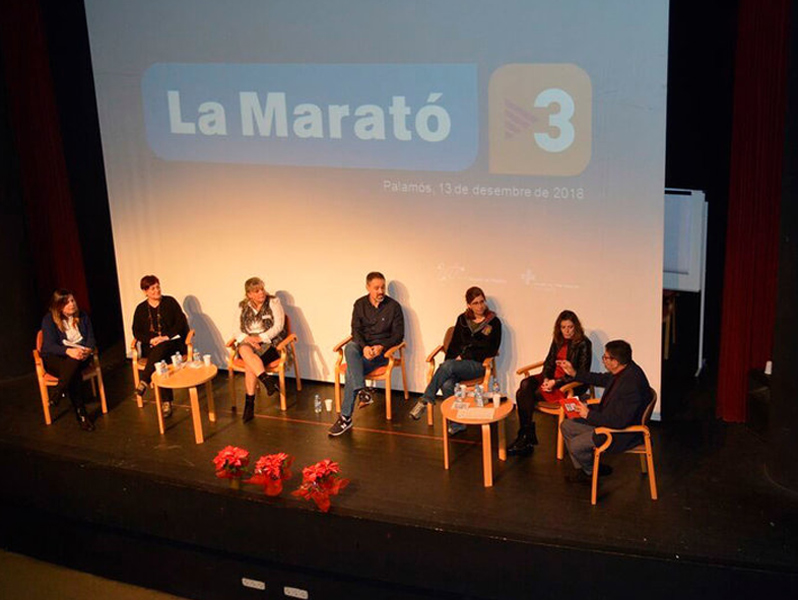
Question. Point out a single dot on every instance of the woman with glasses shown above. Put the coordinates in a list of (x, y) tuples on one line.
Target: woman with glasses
[(477, 335)]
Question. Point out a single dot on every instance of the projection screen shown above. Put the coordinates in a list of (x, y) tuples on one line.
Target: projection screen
[(513, 145)]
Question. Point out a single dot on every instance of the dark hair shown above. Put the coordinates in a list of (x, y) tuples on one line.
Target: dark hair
[(620, 350), (149, 280), (568, 315), (374, 275), (472, 294), (58, 301)]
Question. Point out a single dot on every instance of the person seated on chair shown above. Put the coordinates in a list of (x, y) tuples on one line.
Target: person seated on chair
[(377, 325), (568, 343), (67, 347), (161, 326), (626, 396), (477, 335), (260, 325)]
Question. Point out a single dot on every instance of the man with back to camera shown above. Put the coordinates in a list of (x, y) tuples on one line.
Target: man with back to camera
[(377, 325), (626, 396)]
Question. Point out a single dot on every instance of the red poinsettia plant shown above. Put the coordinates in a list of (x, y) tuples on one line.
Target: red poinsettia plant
[(320, 481), (231, 462), (270, 472)]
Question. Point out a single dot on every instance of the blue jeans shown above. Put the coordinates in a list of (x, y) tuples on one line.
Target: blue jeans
[(452, 371), (356, 367)]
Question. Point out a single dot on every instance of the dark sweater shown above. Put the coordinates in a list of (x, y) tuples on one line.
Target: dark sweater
[(625, 398), (475, 345), (53, 338), (172, 321), (383, 325)]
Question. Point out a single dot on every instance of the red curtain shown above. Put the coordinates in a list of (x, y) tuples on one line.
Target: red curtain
[(52, 228), (749, 292)]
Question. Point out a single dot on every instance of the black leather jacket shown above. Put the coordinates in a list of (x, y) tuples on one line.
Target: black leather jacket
[(580, 355)]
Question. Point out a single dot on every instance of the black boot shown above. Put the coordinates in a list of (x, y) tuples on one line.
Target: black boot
[(249, 408), (83, 419), (268, 383), (532, 434), (525, 443), (141, 389)]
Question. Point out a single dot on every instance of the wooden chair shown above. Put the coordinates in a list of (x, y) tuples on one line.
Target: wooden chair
[(550, 409), (279, 366), (93, 373), (395, 356), (488, 363), (139, 363), (644, 450)]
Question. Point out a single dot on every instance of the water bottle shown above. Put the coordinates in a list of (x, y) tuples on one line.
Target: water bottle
[(317, 404), (197, 358), (497, 393), (478, 399), (458, 391)]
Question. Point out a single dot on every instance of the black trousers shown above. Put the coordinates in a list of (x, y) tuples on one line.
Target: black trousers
[(526, 397), (70, 376), (155, 354)]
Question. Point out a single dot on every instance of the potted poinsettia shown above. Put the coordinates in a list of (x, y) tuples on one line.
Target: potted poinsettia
[(270, 472), (231, 463), (321, 481)]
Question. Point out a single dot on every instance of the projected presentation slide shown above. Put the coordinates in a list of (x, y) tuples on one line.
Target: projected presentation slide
[(513, 145)]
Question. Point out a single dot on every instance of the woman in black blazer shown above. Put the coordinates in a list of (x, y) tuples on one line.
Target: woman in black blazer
[(67, 347), (568, 343)]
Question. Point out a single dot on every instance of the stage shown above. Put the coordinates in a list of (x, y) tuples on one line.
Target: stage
[(130, 504)]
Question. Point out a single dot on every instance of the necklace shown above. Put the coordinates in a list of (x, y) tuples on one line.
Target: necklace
[(153, 327)]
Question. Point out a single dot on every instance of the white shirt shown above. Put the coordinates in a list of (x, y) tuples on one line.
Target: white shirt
[(266, 335)]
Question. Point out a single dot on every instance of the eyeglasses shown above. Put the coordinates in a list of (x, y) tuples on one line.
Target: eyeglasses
[(607, 357)]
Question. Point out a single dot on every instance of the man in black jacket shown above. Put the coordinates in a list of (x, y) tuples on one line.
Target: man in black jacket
[(626, 395), (377, 325)]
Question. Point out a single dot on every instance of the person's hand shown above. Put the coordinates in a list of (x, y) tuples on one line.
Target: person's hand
[(547, 385), (84, 353), (157, 340), (567, 367), (74, 353), (581, 408), (254, 341), (378, 349)]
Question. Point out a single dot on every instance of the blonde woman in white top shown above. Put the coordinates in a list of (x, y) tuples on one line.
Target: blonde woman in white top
[(260, 328)]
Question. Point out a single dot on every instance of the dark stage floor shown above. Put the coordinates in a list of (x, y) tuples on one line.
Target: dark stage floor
[(717, 508)]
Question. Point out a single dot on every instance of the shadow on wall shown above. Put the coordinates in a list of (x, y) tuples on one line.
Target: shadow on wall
[(309, 355), (414, 354), (206, 337), (507, 358)]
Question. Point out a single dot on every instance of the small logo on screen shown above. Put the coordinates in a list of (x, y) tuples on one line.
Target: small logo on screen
[(540, 119)]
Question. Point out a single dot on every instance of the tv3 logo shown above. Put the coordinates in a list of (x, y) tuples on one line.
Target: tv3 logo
[(540, 119)]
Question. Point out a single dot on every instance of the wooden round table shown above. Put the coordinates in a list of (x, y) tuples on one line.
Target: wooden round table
[(188, 377), (497, 415)]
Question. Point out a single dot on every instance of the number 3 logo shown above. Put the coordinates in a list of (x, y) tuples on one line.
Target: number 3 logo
[(560, 120), (540, 119)]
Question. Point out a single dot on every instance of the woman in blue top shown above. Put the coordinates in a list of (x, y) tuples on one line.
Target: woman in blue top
[(67, 346)]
